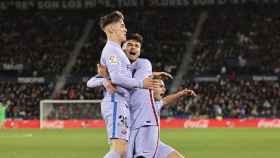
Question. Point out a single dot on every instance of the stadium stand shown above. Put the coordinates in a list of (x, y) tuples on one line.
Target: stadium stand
[(230, 47)]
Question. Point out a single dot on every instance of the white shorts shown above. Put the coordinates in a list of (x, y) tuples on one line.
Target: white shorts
[(164, 150), (143, 141), (117, 119)]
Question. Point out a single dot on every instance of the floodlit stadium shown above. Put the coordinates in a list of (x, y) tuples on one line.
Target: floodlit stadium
[(139, 78)]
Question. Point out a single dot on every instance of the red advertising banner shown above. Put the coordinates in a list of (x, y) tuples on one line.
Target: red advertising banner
[(165, 123)]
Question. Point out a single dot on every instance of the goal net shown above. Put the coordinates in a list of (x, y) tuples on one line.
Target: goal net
[(68, 113)]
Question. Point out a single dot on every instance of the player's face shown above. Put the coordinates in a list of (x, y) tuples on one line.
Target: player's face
[(119, 30), (132, 49), (160, 91)]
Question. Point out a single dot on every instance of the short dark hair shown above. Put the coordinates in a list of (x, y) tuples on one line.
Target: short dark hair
[(135, 36), (110, 18)]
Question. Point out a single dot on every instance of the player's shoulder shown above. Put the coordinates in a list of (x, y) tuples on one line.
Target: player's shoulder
[(144, 61), (110, 49), (113, 54)]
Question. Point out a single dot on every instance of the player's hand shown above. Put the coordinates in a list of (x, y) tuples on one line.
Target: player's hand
[(187, 93), (102, 71), (162, 75), (157, 96), (110, 87), (151, 83)]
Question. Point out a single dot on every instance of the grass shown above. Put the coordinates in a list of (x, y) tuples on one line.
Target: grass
[(91, 143)]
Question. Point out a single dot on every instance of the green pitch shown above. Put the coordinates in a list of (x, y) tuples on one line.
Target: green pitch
[(91, 143)]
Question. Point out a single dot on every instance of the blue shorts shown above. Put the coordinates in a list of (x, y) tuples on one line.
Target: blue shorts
[(117, 119)]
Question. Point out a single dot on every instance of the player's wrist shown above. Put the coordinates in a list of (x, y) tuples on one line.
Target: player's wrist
[(180, 94), (105, 82)]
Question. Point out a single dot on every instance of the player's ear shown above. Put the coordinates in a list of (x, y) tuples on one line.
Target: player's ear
[(108, 29), (124, 45), (111, 28)]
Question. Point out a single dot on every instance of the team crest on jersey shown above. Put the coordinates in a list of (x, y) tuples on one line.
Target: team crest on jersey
[(113, 59)]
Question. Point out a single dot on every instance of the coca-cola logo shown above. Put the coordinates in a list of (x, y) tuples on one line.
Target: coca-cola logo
[(196, 124), (275, 123), (53, 124)]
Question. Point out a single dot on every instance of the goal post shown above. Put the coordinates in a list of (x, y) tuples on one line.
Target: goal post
[(55, 113)]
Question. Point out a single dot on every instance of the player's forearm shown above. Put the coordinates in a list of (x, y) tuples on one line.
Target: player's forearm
[(126, 82), (96, 81), (171, 99)]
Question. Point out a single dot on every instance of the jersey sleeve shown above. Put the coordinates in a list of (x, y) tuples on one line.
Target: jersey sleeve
[(96, 81), (144, 69), (118, 75), (147, 67)]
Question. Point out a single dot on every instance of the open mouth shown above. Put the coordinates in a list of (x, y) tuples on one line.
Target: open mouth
[(132, 53)]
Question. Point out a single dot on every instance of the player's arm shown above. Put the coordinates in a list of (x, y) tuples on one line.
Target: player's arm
[(170, 99), (117, 76), (97, 81), (162, 75), (100, 79), (173, 98)]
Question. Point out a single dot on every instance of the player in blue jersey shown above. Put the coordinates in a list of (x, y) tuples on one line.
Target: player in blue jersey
[(144, 139), (114, 106), (165, 151), (141, 141), (144, 111)]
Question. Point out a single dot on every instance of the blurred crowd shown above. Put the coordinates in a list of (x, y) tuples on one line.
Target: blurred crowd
[(233, 41), (223, 99), (40, 45), (245, 42), (228, 99), (23, 99), (68, 111)]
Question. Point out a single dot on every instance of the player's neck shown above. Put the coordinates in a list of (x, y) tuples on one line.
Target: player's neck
[(114, 39)]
